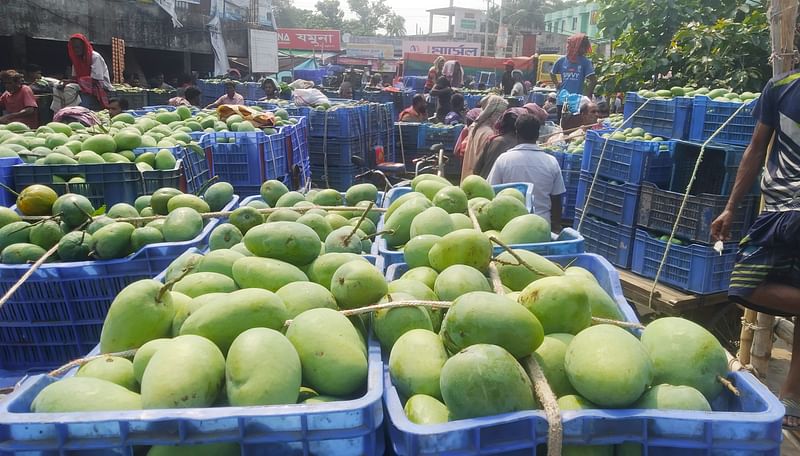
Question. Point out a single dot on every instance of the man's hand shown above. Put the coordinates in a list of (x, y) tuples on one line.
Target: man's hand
[(721, 227)]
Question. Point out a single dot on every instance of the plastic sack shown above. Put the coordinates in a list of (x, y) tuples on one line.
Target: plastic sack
[(309, 97), (257, 118), (301, 84), (572, 100)]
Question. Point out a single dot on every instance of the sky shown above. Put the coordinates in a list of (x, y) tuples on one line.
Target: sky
[(413, 10)]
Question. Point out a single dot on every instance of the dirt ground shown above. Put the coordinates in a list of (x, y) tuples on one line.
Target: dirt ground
[(777, 372)]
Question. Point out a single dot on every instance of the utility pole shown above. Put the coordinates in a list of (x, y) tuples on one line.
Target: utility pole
[(486, 30)]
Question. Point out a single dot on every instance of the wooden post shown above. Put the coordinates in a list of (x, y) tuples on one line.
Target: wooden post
[(761, 351), (746, 336)]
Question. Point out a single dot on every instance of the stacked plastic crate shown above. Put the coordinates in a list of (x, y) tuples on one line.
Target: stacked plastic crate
[(427, 135), (608, 190), (335, 136), (692, 264)]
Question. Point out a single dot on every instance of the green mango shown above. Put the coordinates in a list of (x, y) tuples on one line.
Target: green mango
[(322, 269), (144, 236), (188, 372), (145, 353), (224, 236), (22, 253), (458, 280), (200, 283), (141, 312), (291, 242), (222, 321), (186, 200), (400, 221), (14, 233), (415, 363), (475, 186), (526, 229), (84, 394), (465, 247), (389, 324), (503, 209), (415, 252), (182, 224), (452, 199), (272, 190), (160, 199), (608, 366), (485, 380), (75, 246), (559, 304), (433, 220), (113, 241), (112, 368), (219, 261), (550, 357), (251, 377), (301, 296), (361, 192), (265, 273), (517, 276), (289, 199), (357, 284), (332, 354), (218, 196), (244, 218), (424, 409)]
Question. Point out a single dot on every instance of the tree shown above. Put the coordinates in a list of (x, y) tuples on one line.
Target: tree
[(328, 14), (395, 25), (288, 16), (647, 36)]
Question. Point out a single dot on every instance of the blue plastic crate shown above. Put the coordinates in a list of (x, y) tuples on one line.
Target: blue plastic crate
[(631, 162), (570, 197), (7, 198), (158, 99), (350, 427), (666, 118), (341, 178), (611, 241), (211, 89), (430, 135), (415, 82), (471, 100), (407, 135), (196, 171), (57, 314), (336, 152), (611, 201), (250, 90), (268, 106), (337, 122), (695, 268), (106, 183), (708, 115), (253, 158), (158, 178), (717, 171), (659, 207), (568, 241)]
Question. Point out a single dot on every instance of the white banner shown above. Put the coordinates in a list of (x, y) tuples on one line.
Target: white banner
[(214, 27), (263, 51), (445, 48), (169, 7)]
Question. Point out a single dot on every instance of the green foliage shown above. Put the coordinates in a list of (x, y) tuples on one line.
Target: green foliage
[(697, 42), (372, 16)]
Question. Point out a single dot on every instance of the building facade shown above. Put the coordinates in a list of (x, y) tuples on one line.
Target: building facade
[(578, 19)]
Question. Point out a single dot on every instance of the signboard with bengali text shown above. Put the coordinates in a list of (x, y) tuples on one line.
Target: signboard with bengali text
[(445, 48), (309, 39)]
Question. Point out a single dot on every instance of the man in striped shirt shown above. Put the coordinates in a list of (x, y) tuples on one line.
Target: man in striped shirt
[(766, 277)]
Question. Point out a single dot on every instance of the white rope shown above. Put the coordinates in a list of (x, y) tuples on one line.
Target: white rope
[(600, 162), (685, 199)]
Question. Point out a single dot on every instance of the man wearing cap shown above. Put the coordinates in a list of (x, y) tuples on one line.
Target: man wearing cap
[(508, 77)]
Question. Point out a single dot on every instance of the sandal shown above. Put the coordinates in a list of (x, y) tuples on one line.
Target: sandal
[(792, 411)]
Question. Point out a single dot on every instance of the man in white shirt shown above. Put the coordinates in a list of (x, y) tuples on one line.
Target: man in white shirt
[(528, 163)]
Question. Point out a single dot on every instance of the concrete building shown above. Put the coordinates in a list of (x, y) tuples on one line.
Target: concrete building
[(581, 18), (36, 31)]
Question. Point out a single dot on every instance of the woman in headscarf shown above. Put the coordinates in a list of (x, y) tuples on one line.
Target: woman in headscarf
[(461, 142), (270, 88), (518, 89), (482, 131), (506, 137), (434, 73), (90, 72), (456, 114), (443, 93)]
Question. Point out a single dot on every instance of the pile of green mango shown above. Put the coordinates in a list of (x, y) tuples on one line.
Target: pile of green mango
[(435, 208), (104, 237), (216, 334), (339, 231), (718, 94), (470, 361), (634, 134)]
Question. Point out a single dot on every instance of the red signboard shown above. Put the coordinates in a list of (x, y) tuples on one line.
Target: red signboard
[(309, 40)]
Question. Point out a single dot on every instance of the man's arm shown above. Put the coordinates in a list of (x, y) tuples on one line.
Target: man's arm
[(555, 213), (749, 169), (591, 84), (16, 115)]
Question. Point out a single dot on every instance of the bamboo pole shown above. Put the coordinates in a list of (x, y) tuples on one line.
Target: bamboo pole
[(746, 336), (761, 353)]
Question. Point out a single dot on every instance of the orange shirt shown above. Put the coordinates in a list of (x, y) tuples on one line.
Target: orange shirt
[(16, 102)]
